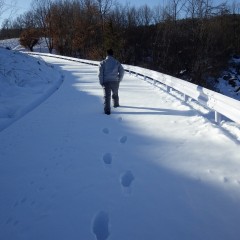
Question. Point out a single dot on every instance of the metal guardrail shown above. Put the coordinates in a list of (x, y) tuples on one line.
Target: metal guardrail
[(219, 103)]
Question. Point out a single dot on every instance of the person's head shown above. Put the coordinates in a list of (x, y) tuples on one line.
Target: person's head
[(110, 52)]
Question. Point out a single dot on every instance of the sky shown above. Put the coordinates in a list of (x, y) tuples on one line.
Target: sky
[(20, 6), (68, 171)]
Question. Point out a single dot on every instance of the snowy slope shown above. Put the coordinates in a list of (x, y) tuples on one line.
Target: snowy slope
[(24, 83), (154, 169)]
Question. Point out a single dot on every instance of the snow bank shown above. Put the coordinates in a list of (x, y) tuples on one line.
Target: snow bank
[(24, 83)]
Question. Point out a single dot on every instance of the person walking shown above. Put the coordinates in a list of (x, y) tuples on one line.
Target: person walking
[(110, 75)]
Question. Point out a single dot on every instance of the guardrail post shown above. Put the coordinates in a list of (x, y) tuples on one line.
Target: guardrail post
[(168, 88), (185, 97), (217, 117)]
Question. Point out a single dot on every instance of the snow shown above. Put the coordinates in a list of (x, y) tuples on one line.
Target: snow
[(156, 168), (14, 44), (23, 84), (229, 83)]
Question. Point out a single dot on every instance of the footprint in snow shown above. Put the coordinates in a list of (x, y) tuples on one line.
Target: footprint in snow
[(126, 180), (123, 139), (106, 130), (225, 179), (100, 226), (120, 119), (107, 158)]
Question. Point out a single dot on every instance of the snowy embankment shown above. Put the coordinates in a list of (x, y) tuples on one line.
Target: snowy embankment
[(156, 168), (24, 83)]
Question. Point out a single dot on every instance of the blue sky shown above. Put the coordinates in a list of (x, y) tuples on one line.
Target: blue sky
[(22, 6)]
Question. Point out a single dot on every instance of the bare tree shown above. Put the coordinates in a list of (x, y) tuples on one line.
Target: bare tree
[(158, 14), (104, 7), (8, 10), (174, 8), (29, 38), (42, 12), (236, 7), (1, 6), (199, 8), (145, 16)]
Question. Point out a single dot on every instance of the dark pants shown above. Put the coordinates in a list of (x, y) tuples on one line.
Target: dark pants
[(108, 88)]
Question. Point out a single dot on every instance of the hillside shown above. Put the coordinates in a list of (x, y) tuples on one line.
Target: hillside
[(23, 84)]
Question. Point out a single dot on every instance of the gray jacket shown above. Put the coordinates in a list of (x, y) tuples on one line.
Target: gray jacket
[(110, 70)]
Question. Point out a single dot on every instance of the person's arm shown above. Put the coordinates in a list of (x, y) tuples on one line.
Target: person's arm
[(100, 74), (121, 72)]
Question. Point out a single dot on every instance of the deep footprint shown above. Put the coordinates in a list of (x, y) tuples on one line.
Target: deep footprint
[(126, 179), (106, 130), (100, 226), (107, 158), (123, 139)]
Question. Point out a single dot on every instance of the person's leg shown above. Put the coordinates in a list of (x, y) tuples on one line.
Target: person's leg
[(107, 98), (115, 97)]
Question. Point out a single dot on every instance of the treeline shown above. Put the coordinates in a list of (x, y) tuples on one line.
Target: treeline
[(190, 39)]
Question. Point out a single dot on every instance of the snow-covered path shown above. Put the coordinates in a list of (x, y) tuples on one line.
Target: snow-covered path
[(153, 169)]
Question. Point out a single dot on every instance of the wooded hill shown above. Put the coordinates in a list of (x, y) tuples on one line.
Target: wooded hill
[(190, 39)]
